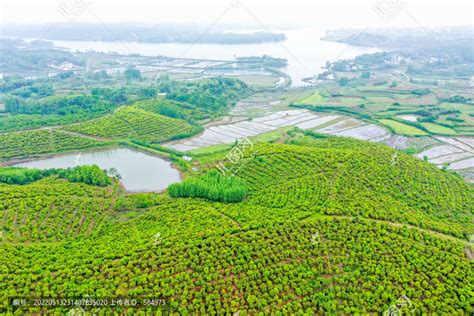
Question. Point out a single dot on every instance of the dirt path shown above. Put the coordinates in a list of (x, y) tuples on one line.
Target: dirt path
[(395, 224), (101, 139)]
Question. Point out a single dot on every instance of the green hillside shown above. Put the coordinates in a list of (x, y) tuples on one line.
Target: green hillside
[(29, 144), (130, 122), (330, 226)]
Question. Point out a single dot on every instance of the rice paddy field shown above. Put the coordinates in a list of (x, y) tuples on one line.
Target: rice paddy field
[(439, 129), (403, 129), (391, 115), (406, 108)]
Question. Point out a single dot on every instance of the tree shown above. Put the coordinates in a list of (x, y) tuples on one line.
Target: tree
[(343, 81), (133, 74), (366, 74)]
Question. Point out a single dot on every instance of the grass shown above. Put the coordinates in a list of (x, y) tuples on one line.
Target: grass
[(403, 129), (271, 137), (438, 129), (316, 97), (465, 108)]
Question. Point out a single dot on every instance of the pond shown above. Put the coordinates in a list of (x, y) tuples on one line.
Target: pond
[(140, 172)]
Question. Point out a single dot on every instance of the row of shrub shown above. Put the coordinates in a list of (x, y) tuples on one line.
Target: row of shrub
[(92, 175)]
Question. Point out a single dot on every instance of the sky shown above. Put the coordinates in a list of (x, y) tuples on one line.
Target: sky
[(270, 13)]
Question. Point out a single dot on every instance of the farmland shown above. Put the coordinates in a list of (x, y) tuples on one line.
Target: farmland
[(134, 123), (300, 220), (216, 187), (29, 144), (403, 129)]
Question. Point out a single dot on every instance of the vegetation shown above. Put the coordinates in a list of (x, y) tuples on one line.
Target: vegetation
[(50, 210), (87, 174), (308, 224), (404, 129), (130, 122), (29, 144), (28, 110), (214, 95), (15, 175), (172, 109), (320, 232), (62, 105), (438, 129), (213, 186)]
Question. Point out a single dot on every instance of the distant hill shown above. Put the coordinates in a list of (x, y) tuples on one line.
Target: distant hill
[(455, 41), (146, 33)]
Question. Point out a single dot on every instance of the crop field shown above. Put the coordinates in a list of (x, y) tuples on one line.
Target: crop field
[(457, 152), (313, 209), (51, 210), (370, 132), (208, 187), (329, 123), (404, 129), (438, 129), (462, 164), (439, 151), (130, 122), (229, 133), (315, 98), (385, 103), (29, 144)]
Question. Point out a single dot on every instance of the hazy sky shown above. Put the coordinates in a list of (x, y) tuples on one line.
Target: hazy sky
[(336, 13)]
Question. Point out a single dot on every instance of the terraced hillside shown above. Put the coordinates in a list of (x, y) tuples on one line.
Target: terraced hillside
[(30, 144), (330, 226), (51, 210), (130, 122)]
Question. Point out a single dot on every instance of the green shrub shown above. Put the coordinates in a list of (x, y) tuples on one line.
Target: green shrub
[(16, 175), (213, 186), (86, 174)]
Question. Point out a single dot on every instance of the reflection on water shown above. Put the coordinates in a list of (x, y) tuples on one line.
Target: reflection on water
[(140, 172)]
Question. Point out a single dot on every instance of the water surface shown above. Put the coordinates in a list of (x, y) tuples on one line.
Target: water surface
[(140, 172), (304, 49)]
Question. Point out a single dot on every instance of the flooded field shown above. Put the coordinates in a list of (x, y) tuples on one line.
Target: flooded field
[(228, 133), (439, 150), (457, 152)]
